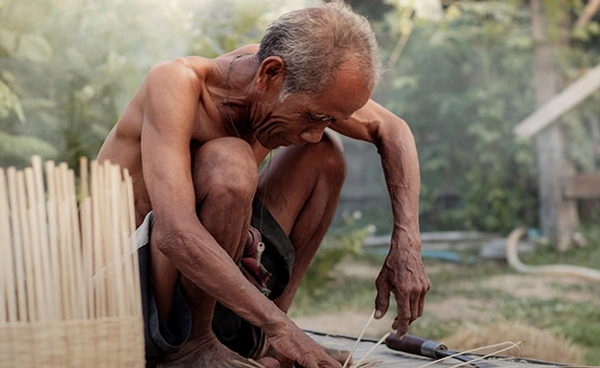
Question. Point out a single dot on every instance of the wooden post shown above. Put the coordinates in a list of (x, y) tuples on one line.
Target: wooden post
[(558, 217)]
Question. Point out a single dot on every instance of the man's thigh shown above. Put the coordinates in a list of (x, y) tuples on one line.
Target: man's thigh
[(289, 179)]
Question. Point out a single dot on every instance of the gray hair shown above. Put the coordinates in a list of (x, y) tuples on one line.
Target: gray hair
[(314, 42)]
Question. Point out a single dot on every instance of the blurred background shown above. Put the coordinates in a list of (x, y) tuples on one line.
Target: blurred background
[(463, 74)]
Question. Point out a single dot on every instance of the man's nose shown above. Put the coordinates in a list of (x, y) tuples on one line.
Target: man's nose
[(313, 135)]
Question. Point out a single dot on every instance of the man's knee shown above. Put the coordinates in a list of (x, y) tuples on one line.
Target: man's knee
[(330, 154), (225, 167)]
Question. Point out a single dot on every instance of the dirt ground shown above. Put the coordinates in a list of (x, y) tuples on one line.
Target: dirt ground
[(349, 322), (474, 311)]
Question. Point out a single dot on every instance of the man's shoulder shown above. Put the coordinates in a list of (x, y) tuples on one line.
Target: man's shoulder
[(197, 67), (183, 68)]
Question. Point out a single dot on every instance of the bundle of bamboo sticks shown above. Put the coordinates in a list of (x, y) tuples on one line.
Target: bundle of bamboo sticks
[(69, 281)]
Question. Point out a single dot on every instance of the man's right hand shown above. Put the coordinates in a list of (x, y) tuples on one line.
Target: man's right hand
[(289, 341)]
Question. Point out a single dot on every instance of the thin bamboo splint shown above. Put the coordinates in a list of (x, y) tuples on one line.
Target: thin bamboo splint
[(69, 281)]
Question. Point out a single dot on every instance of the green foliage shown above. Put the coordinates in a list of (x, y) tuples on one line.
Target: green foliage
[(225, 25), (567, 317), (14, 149), (345, 242), (574, 318), (67, 69), (462, 84)]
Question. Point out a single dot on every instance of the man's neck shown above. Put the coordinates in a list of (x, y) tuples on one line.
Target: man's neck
[(239, 75)]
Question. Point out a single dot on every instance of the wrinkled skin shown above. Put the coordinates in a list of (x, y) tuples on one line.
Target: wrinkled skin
[(178, 138), (409, 297)]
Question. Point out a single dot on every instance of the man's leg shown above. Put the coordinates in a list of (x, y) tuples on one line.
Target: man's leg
[(301, 188), (225, 177)]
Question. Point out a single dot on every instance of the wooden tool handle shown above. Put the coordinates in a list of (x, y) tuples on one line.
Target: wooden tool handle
[(415, 345)]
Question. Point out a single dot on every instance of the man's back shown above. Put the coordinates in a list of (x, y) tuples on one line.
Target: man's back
[(123, 144)]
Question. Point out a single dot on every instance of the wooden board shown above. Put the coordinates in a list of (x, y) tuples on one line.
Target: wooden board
[(560, 104), (394, 359), (582, 186)]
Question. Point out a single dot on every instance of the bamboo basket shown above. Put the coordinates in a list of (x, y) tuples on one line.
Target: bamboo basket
[(69, 281)]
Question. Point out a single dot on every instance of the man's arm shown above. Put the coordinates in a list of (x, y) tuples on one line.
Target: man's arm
[(403, 272), (172, 93)]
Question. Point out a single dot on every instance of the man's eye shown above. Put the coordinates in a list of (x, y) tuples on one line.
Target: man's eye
[(321, 118)]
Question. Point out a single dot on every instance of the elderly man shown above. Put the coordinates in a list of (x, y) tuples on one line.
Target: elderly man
[(218, 238)]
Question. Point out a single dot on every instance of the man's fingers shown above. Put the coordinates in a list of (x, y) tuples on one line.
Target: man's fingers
[(414, 308), (382, 301), (401, 326), (405, 316), (421, 304)]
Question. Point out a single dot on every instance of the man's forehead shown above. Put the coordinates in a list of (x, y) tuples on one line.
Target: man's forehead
[(341, 99)]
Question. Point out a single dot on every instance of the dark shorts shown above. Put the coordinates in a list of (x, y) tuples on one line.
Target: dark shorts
[(161, 336), (167, 336)]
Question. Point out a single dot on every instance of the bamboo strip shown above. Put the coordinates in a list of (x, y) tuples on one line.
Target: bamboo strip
[(508, 345), (124, 240), (76, 235), (26, 237), (120, 246), (17, 245), (53, 245), (87, 236), (7, 283), (379, 342), (71, 232), (99, 287), (69, 274), (359, 338), (466, 352), (35, 239), (106, 239), (64, 242), (113, 178), (42, 222), (135, 286)]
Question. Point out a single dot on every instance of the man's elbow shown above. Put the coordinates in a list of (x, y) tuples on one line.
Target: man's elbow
[(393, 131), (169, 241)]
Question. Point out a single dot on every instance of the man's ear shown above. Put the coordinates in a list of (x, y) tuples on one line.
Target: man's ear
[(271, 73)]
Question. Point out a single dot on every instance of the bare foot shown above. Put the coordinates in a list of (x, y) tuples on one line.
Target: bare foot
[(338, 355), (209, 354)]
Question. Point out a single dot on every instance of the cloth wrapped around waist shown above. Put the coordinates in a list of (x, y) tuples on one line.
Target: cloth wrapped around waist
[(267, 263)]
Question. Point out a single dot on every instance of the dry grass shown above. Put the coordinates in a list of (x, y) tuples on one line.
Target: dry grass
[(535, 343)]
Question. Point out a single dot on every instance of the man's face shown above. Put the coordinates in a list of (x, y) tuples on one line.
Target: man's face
[(302, 118)]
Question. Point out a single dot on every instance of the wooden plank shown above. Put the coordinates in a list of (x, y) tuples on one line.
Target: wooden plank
[(388, 358), (582, 186), (558, 217), (588, 13), (559, 105), (433, 237)]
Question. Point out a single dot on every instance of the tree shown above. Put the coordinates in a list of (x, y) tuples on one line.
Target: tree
[(225, 25), (19, 45), (70, 67), (462, 83)]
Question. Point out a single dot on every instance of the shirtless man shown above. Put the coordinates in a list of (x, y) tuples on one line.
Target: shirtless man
[(193, 137)]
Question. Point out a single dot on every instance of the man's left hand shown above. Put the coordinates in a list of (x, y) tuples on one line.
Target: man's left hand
[(404, 275)]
